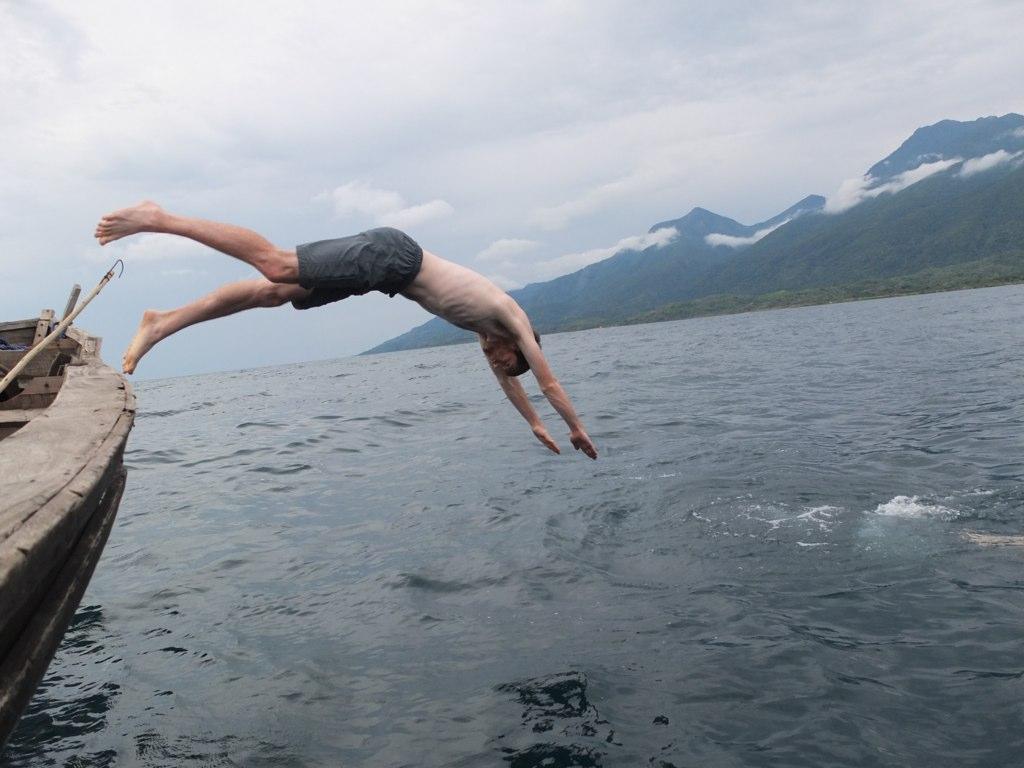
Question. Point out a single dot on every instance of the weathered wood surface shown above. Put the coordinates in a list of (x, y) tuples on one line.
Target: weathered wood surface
[(43, 363), (43, 325), (90, 345), (56, 472), (20, 415), (76, 291), (21, 402), (30, 655), (43, 385), (49, 469), (38, 461), (29, 555), (11, 420), (18, 325)]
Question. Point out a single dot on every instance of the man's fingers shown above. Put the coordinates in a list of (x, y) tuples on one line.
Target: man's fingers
[(584, 444), (550, 444)]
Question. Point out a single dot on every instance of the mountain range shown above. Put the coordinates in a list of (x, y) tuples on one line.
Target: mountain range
[(944, 210)]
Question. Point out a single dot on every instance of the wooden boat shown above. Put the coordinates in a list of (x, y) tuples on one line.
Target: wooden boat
[(63, 428)]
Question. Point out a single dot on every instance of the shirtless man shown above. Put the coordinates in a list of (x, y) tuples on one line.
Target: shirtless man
[(318, 273)]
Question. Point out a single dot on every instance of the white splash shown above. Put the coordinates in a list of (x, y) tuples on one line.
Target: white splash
[(913, 507)]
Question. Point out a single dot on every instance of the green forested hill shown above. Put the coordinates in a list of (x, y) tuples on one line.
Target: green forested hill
[(940, 221)]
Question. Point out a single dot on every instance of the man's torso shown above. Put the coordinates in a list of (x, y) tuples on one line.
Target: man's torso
[(461, 296)]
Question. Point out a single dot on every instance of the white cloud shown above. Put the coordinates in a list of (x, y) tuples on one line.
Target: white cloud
[(358, 198), (387, 208), (854, 191), (570, 262), (415, 215), (1019, 132), (504, 282), (987, 162), (504, 249), (593, 200), (737, 242), (150, 248), (645, 178)]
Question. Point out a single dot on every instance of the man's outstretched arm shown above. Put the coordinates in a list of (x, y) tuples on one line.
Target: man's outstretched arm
[(517, 396), (519, 324)]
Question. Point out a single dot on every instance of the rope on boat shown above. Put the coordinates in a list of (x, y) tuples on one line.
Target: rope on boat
[(59, 330)]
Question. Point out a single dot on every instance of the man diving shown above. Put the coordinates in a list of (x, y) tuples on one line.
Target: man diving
[(382, 259)]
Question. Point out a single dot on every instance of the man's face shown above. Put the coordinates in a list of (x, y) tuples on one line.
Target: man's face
[(501, 355)]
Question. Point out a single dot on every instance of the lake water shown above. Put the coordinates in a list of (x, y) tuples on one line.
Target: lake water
[(371, 562)]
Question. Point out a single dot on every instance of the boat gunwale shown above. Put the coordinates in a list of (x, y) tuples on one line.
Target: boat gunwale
[(42, 532)]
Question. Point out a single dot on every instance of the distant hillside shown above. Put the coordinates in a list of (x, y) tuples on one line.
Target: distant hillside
[(968, 211), (938, 222), (621, 286), (950, 138)]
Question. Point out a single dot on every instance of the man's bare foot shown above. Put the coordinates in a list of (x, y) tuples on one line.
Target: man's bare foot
[(145, 337), (128, 221)]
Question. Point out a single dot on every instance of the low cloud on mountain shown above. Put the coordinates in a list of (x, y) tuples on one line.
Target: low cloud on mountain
[(855, 191), (738, 242), (570, 262), (989, 161)]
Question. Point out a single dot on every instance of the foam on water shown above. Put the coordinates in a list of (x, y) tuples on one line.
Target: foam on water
[(823, 517), (914, 507)]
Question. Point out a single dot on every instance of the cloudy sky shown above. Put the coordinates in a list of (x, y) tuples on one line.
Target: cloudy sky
[(524, 140)]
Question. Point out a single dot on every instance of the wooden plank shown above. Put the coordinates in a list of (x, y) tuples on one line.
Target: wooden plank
[(89, 344), (20, 402), (32, 553), (44, 360), (17, 325), (43, 385), (76, 291), (43, 326), (61, 477), (38, 367), (19, 415), (41, 458), (40, 542), (27, 660)]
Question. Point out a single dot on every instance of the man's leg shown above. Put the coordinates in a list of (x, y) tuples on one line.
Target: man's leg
[(275, 264), (226, 300)]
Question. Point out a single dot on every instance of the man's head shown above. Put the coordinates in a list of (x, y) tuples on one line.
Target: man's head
[(505, 356)]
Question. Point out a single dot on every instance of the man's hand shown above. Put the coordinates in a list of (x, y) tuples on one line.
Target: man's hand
[(542, 434), (581, 442)]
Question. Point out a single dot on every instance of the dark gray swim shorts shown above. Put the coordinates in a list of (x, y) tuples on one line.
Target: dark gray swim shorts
[(382, 259)]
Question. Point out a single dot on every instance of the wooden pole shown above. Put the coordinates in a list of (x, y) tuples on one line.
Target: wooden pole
[(56, 332), (72, 300)]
